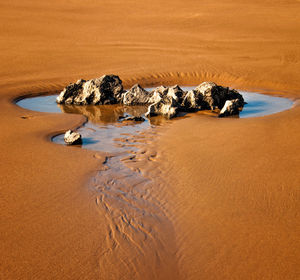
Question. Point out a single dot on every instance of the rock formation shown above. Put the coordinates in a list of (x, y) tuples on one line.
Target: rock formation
[(107, 89), (166, 101), (214, 96), (231, 107), (136, 96), (72, 138)]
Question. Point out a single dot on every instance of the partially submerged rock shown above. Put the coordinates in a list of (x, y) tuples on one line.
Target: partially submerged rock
[(214, 96), (136, 96), (72, 138), (192, 101), (107, 89), (176, 93), (166, 101), (70, 92), (231, 107), (132, 119), (166, 106)]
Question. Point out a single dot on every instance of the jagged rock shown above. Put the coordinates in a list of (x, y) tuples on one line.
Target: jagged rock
[(215, 96), (165, 101), (72, 138), (90, 93), (177, 93), (231, 107), (157, 94), (112, 85), (192, 101), (136, 96), (107, 89), (165, 106), (70, 92)]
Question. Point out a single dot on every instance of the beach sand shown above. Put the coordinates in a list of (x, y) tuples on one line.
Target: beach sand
[(229, 188)]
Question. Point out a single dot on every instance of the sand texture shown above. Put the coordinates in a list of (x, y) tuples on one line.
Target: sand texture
[(223, 200)]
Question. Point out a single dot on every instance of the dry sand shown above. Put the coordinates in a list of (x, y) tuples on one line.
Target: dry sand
[(229, 187)]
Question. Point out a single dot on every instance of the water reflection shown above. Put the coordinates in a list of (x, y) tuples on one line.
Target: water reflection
[(106, 130), (111, 114)]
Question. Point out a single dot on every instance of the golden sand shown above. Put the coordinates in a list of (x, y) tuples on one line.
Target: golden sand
[(230, 188)]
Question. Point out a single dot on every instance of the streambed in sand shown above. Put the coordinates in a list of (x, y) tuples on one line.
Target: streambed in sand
[(139, 229)]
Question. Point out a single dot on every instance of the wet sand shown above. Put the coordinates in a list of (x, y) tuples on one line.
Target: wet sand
[(230, 191)]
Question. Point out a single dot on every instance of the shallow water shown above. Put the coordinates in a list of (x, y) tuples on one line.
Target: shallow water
[(105, 132)]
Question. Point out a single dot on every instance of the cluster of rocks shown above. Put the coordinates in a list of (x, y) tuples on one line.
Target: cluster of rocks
[(165, 101)]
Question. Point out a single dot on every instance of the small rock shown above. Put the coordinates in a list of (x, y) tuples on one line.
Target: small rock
[(122, 117), (72, 138), (231, 107), (134, 119)]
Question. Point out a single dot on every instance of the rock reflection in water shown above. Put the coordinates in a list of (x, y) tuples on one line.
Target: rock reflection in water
[(110, 114), (105, 131)]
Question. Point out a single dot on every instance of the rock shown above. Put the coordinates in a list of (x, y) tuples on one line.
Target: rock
[(107, 89), (215, 96), (136, 96), (157, 94), (192, 101), (90, 93), (165, 101), (231, 107), (165, 106), (111, 85), (70, 92), (72, 138), (176, 93), (133, 119)]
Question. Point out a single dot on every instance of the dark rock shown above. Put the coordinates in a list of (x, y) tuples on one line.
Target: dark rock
[(192, 101), (111, 86), (215, 96), (107, 89), (176, 93), (122, 117), (133, 119), (231, 107), (136, 96), (70, 92), (72, 138)]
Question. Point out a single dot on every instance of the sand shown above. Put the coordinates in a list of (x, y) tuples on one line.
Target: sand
[(230, 189)]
